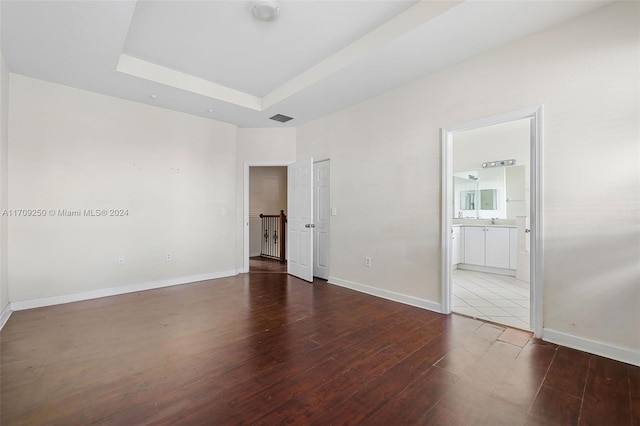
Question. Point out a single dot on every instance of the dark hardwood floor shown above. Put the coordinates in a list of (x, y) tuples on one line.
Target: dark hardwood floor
[(263, 264), (268, 349)]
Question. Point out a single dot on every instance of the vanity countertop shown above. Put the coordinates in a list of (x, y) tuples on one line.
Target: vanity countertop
[(502, 223), (484, 225)]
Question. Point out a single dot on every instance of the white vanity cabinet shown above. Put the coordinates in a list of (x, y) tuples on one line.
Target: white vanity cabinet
[(487, 246), (474, 245), (497, 247)]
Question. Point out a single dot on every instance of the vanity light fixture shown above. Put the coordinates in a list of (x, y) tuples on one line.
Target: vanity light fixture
[(266, 11), (500, 163)]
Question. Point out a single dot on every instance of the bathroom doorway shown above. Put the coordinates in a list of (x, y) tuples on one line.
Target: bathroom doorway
[(490, 201)]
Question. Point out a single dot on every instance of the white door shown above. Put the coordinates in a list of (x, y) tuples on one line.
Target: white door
[(300, 219), (321, 213)]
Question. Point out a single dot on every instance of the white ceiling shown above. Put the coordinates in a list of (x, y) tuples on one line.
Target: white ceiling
[(215, 60)]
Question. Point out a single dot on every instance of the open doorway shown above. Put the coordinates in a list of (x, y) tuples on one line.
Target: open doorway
[(267, 233), (260, 179), (247, 249), (490, 190), (491, 204)]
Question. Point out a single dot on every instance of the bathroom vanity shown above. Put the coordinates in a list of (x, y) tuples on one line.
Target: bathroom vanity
[(487, 235), (485, 248)]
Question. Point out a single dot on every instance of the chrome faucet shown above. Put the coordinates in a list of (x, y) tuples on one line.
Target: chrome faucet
[(493, 220)]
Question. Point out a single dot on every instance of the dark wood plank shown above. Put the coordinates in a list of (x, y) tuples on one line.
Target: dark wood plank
[(379, 391), (537, 354), (554, 408), (568, 371), (607, 398), (519, 385), (267, 348), (411, 405), (463, 404), (634, 393), (263, 264)]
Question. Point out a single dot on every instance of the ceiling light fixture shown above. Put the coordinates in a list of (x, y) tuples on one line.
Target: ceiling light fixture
[(266, 11)]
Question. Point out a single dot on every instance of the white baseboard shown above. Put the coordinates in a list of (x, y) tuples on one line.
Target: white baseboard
[(388, 294), (617, 353), (114, 291), (488, 269), (5, 314)]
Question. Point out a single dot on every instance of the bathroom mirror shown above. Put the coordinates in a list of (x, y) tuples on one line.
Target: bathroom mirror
[(489, 193), (488, 199), (467, 200)]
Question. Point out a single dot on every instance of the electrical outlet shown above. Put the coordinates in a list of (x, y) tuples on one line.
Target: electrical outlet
[(367, 261), (121, 261), (169, 257)]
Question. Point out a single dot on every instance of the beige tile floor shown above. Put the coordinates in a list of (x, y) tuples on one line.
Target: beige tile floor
[(498, 298)]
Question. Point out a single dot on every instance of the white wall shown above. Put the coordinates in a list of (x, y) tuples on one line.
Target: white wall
[(267, 195), (72, 149), (502, 141), (4, 183), (385, 171), (259, 146), (267, 190)]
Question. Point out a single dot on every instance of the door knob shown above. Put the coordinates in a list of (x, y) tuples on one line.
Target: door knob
[(310, 225)]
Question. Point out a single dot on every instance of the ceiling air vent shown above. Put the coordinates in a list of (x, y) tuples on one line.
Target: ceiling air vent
[(281, 118)]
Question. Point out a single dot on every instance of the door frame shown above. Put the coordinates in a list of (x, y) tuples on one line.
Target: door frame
[(245, 208), (535, 113)]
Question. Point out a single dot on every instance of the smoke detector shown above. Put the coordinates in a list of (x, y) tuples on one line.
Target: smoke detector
[(266, 11)]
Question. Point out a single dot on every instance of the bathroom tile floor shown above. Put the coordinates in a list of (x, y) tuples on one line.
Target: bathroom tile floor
[(498, 298)]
